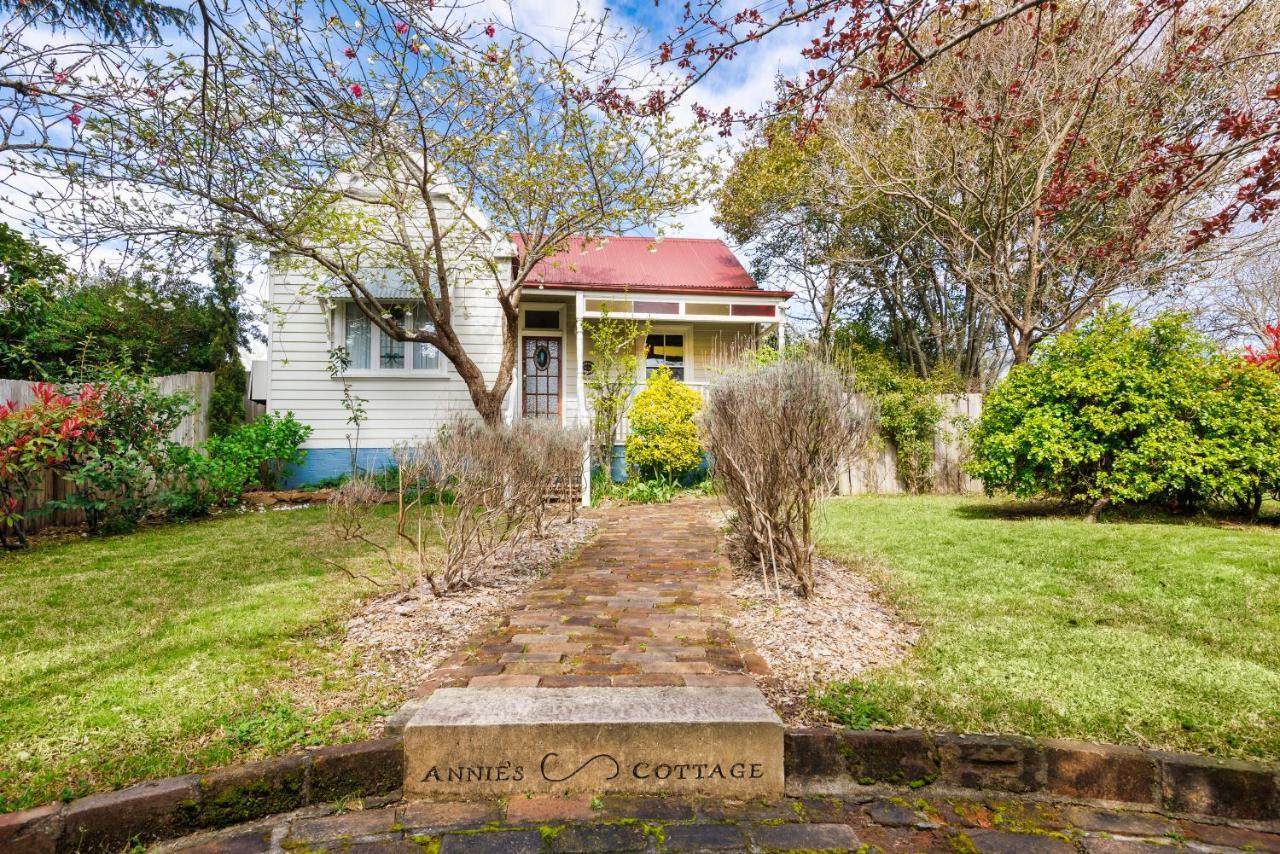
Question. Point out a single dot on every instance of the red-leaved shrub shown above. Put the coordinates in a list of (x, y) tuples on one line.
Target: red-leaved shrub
[(53, 431)]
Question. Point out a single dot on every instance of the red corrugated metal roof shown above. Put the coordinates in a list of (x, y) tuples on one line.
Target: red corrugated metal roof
[(673, 264)]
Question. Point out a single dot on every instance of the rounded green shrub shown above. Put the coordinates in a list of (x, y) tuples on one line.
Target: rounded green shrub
[(1117, 413), (663, 440)]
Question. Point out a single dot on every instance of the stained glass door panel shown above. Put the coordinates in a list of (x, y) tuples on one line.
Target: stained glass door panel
[(540, 378)]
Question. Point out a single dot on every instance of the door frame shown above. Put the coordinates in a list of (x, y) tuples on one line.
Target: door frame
[(541, 333)]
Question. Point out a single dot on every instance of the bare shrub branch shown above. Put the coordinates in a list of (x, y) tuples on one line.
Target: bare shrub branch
[(775, 434), (484, 489)]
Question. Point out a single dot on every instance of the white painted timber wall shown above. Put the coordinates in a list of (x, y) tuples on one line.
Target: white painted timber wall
[(398, 408)]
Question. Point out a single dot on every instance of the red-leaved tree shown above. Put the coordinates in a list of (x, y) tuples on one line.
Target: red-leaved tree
[(1269, 355)]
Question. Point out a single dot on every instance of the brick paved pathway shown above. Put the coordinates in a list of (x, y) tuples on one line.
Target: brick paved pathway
[(887, 822), (645, 604)]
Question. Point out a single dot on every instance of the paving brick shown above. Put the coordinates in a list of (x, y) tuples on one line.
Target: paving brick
[(582, 839), (895, 814), (245, 792), (1222, 787), (1123, 823), (806, 837), (1005, 763), (251, 842), (1107, 845), (420, 816), (1001, 842), (111, 821), (1231, 837), (350, 825), (1099, 771), (494, 842), (648, 597), (515, 681), (644, 808), (705, 837), (542, 809), (35, 830), (360, 769), (900, 757)]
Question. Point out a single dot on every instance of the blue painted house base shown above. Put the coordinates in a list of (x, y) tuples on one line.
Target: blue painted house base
[(325, 463)]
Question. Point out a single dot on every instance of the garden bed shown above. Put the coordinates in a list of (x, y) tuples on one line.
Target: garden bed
[(1150, 631), (841, 631)]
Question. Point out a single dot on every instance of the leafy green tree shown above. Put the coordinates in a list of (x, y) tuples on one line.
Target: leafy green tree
[(167, 325), (1118, 413), (905, 406), (342, 144), (614, 371), (29, 277), (116, 19)]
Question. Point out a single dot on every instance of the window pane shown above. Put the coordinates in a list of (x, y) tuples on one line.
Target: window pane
[(357, 337), (665, 350), (541, 319), (425, 357), (390, 351)]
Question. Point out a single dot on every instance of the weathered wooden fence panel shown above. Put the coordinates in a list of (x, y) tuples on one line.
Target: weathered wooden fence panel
[(876, 470), (193, 430)]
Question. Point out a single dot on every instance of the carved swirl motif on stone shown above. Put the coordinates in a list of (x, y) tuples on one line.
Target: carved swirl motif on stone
[(617, 769)]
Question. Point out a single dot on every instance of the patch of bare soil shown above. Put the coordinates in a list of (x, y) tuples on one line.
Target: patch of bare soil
[(844, 629)]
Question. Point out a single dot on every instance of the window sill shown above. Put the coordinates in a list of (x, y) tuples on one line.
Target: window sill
[(396, 375)]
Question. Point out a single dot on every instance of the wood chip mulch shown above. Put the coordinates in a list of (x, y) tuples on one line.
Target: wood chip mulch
[(402, 636), (845, 629)]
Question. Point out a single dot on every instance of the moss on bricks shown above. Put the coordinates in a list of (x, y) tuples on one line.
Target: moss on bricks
[(245, 792)]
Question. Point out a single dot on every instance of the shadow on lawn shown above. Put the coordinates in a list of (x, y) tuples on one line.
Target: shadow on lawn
[(1010, 510)]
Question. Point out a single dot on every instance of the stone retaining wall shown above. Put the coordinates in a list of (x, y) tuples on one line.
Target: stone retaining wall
[(825, 761), (162, 809), (818, 762)]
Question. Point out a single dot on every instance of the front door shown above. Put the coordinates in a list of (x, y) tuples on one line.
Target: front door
[(540, 377)]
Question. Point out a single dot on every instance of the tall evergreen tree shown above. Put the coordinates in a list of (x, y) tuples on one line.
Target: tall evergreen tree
[(226, 406)]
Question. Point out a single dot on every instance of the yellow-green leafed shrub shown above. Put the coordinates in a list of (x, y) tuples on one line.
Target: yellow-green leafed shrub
[(663, 439)]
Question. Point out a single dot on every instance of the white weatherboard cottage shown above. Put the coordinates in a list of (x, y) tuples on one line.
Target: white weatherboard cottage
[(700, 302)]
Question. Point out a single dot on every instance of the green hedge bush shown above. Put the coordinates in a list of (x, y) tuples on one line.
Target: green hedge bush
[(254, 455), (1117, 413)]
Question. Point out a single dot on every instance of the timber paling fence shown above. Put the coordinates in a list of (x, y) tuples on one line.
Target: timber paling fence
[(875, 471), (193, 430)]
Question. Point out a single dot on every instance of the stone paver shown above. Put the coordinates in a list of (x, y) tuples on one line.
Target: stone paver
[(644, 605), (899, 822)]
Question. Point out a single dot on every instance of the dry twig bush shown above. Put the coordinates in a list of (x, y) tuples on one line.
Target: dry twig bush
[(775, 435), (484, 489)]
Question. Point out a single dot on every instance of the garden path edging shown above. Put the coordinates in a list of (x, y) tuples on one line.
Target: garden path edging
[(823, 761), (163, 809), (818, 762)]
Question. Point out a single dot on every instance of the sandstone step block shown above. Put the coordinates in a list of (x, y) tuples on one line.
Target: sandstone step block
[(484, 742)]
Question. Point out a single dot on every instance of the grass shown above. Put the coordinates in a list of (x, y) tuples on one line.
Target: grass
[(175, 648), (1149, 631)]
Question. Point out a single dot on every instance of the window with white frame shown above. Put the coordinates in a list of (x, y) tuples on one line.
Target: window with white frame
[(371, 349), (664, 350)]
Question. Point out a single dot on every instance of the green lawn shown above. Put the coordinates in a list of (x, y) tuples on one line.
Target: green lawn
[(170, 649), (1158, 632)]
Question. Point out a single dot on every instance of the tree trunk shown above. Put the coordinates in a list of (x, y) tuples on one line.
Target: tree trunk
[(1096, 508)]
